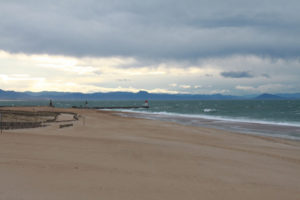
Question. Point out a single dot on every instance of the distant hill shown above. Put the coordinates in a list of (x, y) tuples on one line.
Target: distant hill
[(290, 96), (141, 95), (13, 95), (269, 97)]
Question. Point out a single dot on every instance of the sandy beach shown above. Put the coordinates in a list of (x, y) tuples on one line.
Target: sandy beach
[(106, 156)]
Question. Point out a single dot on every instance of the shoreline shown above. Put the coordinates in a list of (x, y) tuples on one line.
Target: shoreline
[(292, 132), (112, 157), (218, 118)]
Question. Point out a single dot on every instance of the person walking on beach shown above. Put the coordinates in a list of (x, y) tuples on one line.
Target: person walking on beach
[(50, 103)]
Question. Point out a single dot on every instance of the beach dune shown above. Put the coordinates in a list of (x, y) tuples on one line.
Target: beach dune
[(106, 156)]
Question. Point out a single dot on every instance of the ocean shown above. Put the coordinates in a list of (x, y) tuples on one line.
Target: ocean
[(275, 118)]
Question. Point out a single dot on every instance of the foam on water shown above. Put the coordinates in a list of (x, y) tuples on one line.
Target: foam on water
[(209, 110), (209, 117)]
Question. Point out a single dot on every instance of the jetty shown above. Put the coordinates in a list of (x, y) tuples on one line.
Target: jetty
[(146, 105), (112, 107)]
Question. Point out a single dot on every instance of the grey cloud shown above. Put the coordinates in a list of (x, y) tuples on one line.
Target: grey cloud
[(154, 29), (237, 74), (209, 75), (123, 80), (266, 75)]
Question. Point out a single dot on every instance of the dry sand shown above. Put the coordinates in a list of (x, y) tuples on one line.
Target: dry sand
[(104, 156)]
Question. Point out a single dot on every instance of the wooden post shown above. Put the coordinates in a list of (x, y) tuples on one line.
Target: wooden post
[(1, 122)]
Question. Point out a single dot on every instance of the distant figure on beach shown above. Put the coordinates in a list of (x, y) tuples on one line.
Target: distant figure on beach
[(86, 103), (50, 103)]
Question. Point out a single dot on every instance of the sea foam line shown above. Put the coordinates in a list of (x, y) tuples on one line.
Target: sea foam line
[(219, 118)]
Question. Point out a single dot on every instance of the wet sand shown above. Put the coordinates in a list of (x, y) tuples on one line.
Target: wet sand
[(105, 156)]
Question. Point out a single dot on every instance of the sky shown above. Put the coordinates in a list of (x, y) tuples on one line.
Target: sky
[(233, 47)]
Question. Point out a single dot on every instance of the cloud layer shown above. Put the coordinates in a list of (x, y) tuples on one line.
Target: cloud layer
[(23, 72), (157, 29), (192, 46)]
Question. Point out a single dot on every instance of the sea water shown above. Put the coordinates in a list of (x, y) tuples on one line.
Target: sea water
[(277, 118)]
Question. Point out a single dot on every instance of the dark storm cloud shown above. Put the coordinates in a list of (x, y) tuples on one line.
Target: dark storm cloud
[(157, 29), (236, 74)]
